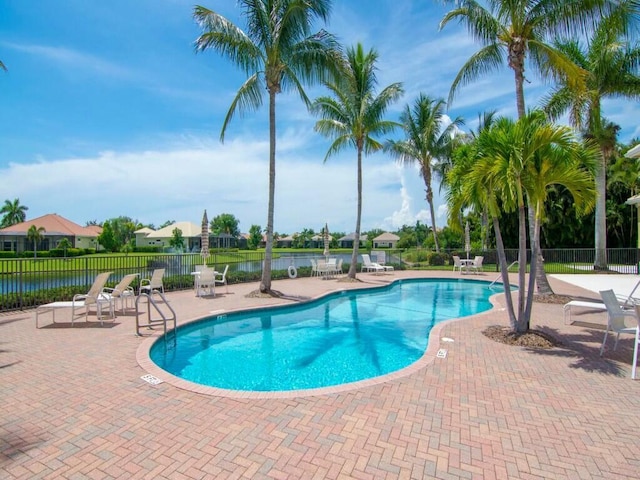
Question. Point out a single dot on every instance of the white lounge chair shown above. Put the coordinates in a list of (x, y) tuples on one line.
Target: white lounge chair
[(369, 266), (615, 318), (153, 283), (95, 296), (123, 291), (221, 278), (568, 307)]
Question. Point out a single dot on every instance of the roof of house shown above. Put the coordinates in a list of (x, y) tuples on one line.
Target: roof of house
[(634, 152), (144, 230), (387, 237), (352, 236), (53, 224), (188, 229)]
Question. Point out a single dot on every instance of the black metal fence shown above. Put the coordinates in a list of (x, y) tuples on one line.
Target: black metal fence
[(27, 282)]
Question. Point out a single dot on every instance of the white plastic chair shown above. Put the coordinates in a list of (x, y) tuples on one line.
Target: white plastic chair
[(123, 291), (153, 283), (221, 279), (636, 344), (206, 279), (615, 319), (477, 264), (457, 263), (95, 296)]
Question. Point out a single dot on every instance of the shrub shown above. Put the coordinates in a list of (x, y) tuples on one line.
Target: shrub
[(8, 254), (437, 259)]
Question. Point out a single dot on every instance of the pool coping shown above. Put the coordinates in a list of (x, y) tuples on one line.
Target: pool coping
[(430, 356)]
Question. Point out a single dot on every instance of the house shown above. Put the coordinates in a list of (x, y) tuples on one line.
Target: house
[(285, 242), (14, 238), (386, 240), (347, 240), (635, 200), (191, 233)]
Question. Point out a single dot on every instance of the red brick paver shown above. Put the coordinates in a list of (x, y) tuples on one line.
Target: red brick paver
[(73, 406)]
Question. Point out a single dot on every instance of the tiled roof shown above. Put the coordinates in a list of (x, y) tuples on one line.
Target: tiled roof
[(387, 237), (188, 229), (53, 224)]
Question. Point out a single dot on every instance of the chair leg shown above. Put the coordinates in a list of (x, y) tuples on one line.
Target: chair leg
[(635, 354), (604, 341)]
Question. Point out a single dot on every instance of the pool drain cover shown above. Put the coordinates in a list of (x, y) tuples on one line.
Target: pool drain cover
[(442, 353), (151, 379)]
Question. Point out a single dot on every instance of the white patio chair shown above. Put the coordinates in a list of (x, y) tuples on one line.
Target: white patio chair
[(206, 279), (457, 263), (221, 278), (95, 296), (153, 283), (123, 291), (615, 318), (476, 266)]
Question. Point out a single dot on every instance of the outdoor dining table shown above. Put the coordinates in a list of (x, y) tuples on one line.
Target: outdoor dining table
[(196, 276), (466, 263)]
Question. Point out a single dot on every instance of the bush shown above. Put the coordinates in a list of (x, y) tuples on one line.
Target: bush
[(147, 249), (437, 259), (70, 252), (8, 255)]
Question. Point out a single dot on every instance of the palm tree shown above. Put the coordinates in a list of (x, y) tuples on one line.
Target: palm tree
[(514, 165), (426, 139), (278, 52), (611, 65), (35, 235), (511, 31), (13, 213), (354, 115)]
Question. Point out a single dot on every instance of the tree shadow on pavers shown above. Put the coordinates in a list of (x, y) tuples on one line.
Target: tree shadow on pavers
[(7, 321), (90, 324), (13, 444), (10, 364), (584, 346)]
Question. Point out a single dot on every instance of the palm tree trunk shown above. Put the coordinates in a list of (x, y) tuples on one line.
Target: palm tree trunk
[(535, 253), (356, 238), (265, 283), (538, 274), (426, 174), (600, 262), (522, 261), (504, 272)]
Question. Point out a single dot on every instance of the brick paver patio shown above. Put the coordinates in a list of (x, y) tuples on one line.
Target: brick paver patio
[(73, 405)]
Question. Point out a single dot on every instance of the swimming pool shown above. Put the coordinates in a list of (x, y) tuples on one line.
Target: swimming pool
[(344, 337)]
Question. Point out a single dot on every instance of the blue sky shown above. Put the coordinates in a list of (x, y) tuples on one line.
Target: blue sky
[(106, 110)]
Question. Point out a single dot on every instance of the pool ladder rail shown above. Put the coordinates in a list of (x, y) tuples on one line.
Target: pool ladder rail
[(165, 313), (500, 275)]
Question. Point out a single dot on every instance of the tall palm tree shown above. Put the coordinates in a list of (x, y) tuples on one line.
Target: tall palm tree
[(35, 235), (13, 213), (516, 163), (511, 31), (354, 115), (427, 138), (611, 64), (279, 53)]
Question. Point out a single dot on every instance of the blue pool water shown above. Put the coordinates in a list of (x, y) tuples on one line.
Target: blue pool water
[(342, 338)]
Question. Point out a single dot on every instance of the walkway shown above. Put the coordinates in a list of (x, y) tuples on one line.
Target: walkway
[(73, 405)]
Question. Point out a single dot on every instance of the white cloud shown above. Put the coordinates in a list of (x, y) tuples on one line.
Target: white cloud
[(179, 181)]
